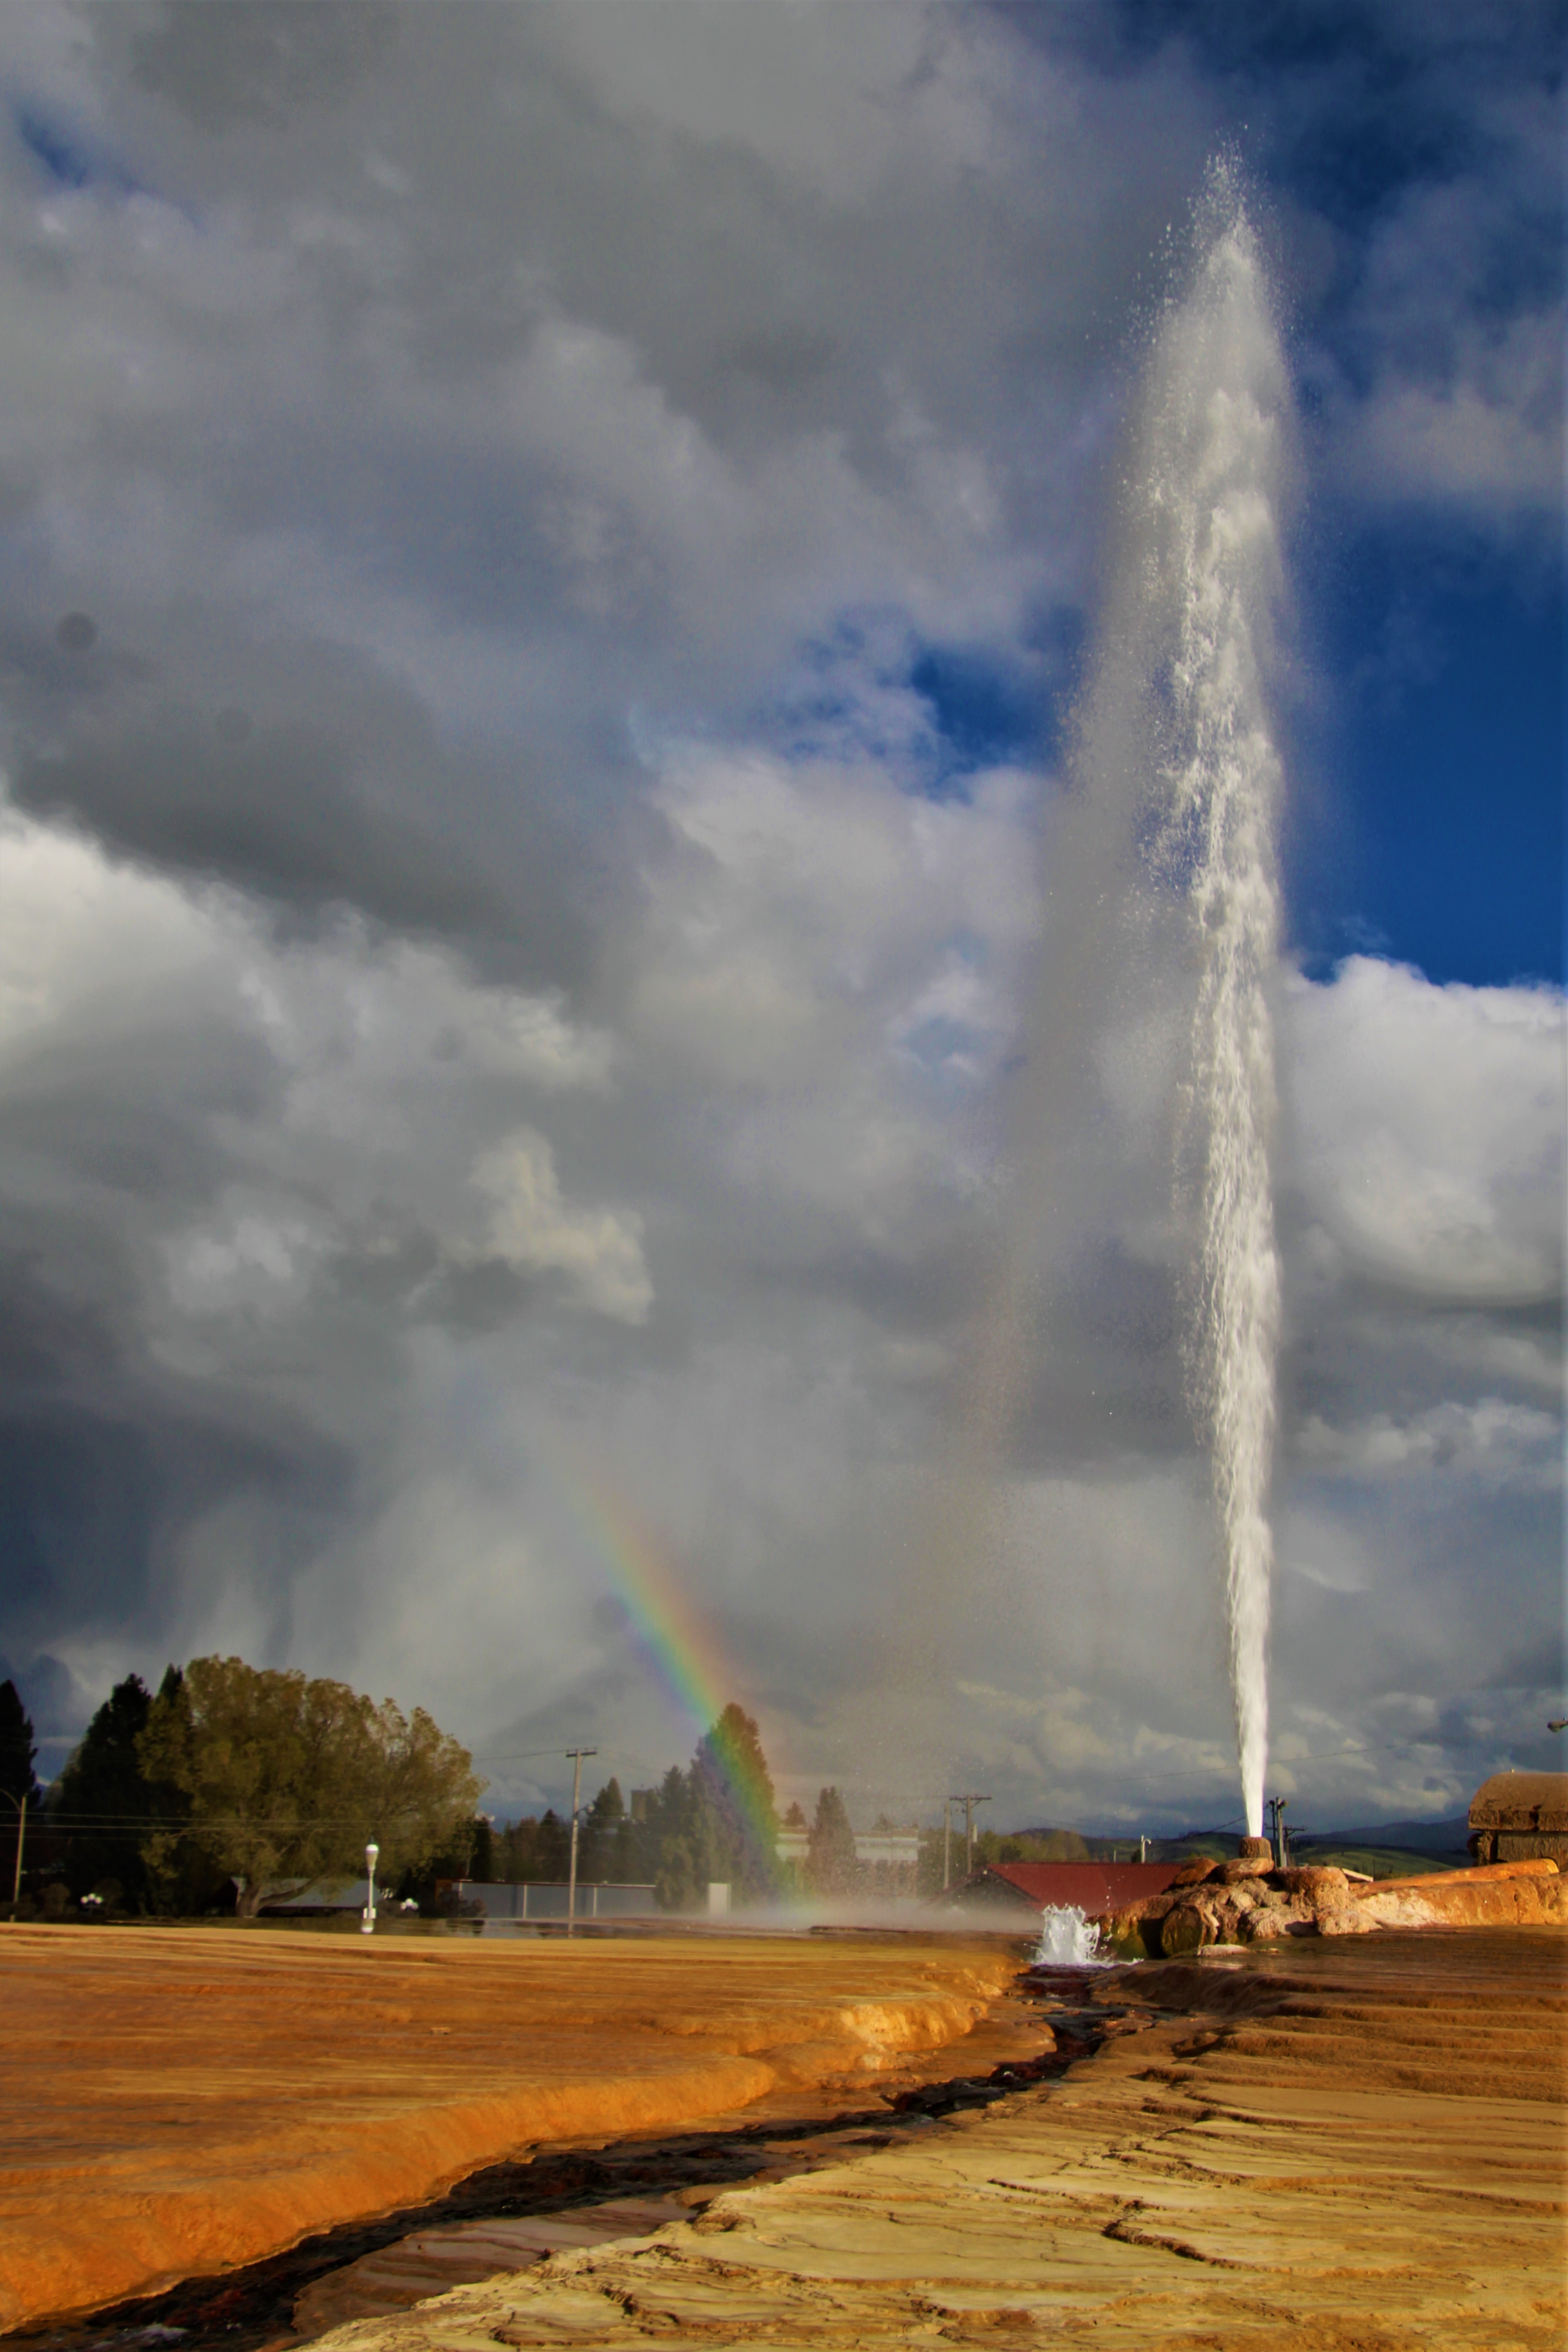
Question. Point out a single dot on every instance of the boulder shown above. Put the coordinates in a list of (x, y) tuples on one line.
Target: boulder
[(1212, 1917), (1266, 1920), (1318, 1881), (1130, 1932), (1227, 1916), (1244, 1869), (1344, 1918), (1184, 1928), (1194, 1873)]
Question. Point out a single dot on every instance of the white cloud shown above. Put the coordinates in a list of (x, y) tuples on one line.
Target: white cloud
[(1487, 438), (1428, 1130), (1493, 1440), (532, 1228)]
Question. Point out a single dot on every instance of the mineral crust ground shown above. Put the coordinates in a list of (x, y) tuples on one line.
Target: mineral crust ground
[(182, 2102), (1341, 2146)]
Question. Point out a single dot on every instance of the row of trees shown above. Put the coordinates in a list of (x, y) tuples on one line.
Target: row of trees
[(235, 1774), (716, 1820), (238, 1777)]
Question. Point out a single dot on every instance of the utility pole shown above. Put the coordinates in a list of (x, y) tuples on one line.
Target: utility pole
[(968, 1799), (1282, 1850), (21, 1805), (577, 1755), (947, 1844)]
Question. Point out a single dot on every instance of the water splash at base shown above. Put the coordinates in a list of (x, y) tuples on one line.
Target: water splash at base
[(1069, 1939)]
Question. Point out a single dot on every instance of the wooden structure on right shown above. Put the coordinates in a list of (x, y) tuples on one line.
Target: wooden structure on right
[(1520, 1816)]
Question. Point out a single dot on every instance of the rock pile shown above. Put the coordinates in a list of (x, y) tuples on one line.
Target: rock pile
[(1248, 1901)]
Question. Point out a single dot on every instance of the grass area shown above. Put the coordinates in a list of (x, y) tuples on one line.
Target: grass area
[(1380, 1861)]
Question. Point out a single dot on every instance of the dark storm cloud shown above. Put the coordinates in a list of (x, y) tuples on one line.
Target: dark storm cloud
[(309, 778), (260, 64), (276, 813), (108, 1459)]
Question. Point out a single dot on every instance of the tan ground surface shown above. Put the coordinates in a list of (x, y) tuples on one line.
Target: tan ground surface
[(180, 2101), (1350, 2146)]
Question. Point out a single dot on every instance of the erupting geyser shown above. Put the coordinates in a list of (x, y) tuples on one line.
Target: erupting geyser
[(1178, 748), (1215, 447)]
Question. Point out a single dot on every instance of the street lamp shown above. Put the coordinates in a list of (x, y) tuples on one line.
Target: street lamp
[(367, 1920)]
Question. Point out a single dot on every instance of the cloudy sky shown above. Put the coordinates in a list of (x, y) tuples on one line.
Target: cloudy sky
[(546, 555)]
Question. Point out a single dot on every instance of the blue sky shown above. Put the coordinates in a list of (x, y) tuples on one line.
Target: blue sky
[(1444, 755), (520, 923)]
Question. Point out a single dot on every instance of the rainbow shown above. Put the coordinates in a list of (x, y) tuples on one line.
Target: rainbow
[(680, 1650)]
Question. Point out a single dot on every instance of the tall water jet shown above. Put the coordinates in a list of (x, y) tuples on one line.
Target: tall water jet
[(1165, 860), (1217, 462)]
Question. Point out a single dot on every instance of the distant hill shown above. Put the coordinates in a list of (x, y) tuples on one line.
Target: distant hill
[(1442, 1840), (1399, 1837)]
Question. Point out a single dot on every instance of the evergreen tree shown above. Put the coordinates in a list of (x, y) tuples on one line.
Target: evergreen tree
[(735, 1829), (603, 1840), (104, 1804), (552, 1847), (181, 1880), (670, 1829), (832, 1866), (18, 1751)]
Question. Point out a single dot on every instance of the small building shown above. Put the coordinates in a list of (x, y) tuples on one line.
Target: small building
[(1520, 1816), (888, 1858), (1095, 1888)]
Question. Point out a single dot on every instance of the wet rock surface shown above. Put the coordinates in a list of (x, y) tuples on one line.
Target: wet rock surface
[(188, 2102), (1328, 2145)]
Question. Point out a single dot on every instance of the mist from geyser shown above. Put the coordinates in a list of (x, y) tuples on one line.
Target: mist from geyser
[(1164, 866)]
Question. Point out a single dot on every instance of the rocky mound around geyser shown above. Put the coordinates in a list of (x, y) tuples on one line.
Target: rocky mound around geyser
[(1248, 1901)]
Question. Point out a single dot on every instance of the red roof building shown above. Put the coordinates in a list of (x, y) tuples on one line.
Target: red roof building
[(1093, 1887)]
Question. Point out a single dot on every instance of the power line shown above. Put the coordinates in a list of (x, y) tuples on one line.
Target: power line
[(523, 1755), (183, 1824)]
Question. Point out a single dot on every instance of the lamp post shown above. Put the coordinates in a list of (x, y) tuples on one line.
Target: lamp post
[(21, 1805), (368, 1920)]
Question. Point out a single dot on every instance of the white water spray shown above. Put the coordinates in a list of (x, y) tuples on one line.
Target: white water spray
[(1068, 1939), (1217, 451)]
